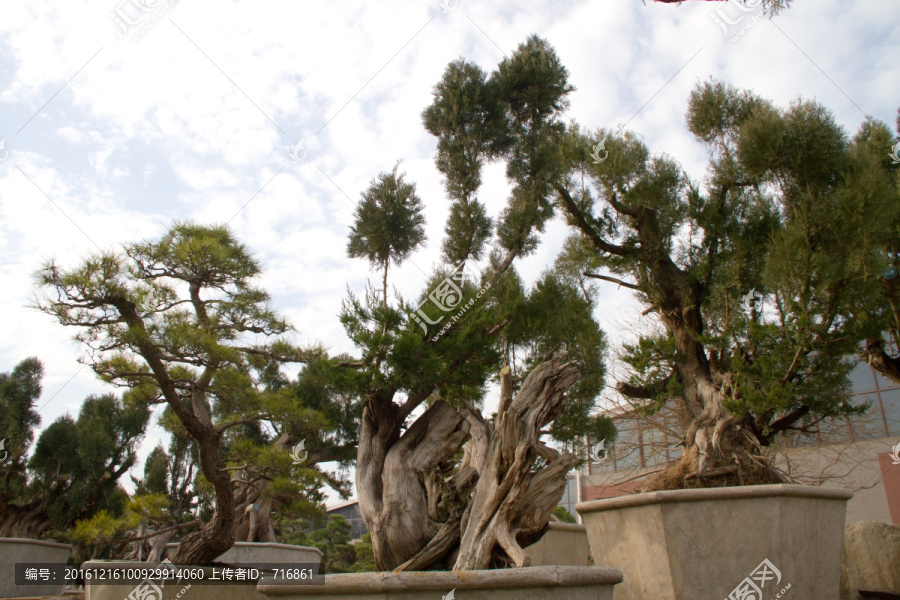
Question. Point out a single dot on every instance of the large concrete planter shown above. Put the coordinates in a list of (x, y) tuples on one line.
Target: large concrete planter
[(689, 544), (21, 550), (256, 554), (169, 590), (566, 544), (546, 583), (269, 553)]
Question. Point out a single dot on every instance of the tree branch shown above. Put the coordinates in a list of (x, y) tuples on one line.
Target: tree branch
[(585, 227), (156, 533), (613, 280)]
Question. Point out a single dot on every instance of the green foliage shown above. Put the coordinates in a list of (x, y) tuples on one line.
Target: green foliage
[(19, 390), (74, 470), (365, 556), (333, 539), (563, 515), (556, 313), (388, 223), (447, 346), (77, 463), (100, 535), (791, 207), (156, 473), (100, 528)]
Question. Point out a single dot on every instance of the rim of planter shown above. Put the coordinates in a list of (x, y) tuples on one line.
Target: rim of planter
[(263, 545), (718, 493), (5, 540), (411, 581)]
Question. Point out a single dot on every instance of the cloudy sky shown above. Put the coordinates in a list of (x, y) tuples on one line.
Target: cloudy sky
[(119, 116)]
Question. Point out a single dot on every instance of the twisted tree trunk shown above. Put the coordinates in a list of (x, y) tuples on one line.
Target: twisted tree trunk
[(718, 450), (422, 515), (510, 500)]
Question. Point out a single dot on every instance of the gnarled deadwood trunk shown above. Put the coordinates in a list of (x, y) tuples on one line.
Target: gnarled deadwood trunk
[(510, 500), (718, 451), (422, 515), (391, 481)]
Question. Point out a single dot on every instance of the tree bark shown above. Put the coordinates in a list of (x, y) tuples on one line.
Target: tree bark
[(214, 538), (420, 517), (29, 521), (510, 500), (881, 361), (393, 498)]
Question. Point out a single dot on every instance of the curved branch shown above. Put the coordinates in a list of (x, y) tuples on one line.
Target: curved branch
[(631, 286)]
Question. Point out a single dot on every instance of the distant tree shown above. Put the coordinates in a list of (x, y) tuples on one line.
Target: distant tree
[(563, 515), (74, 471), (338, 555), (156, 473), (882, 313), (365, 557), (77, 464), (19, 390)]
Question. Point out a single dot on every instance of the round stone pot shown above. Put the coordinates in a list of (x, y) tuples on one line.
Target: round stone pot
[(22, 550), (546, 583), (722, 542)]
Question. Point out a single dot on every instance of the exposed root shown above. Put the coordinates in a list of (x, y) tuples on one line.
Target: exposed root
[(744, 468)]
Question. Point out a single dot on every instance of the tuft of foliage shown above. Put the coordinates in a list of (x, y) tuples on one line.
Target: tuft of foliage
[(563, 515)]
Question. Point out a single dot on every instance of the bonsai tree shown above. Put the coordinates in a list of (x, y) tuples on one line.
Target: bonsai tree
[(178, 321), (441, 485), (19, 390), (76, 465), (766, 277)]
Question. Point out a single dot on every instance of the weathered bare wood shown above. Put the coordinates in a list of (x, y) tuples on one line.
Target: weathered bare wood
[(503, 494), (506, 389)]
